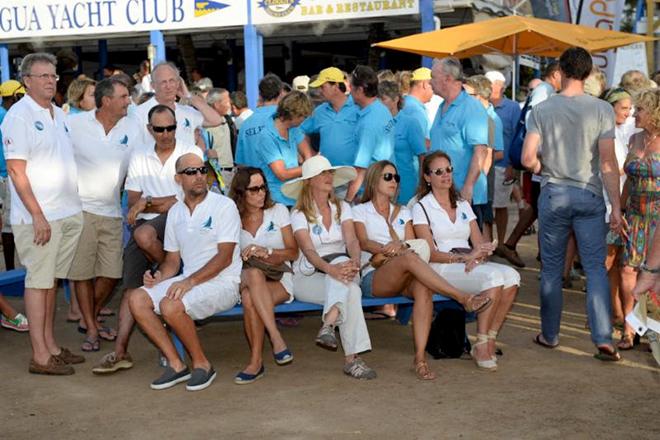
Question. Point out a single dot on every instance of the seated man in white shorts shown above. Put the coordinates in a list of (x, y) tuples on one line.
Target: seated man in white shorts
[(202, 231)]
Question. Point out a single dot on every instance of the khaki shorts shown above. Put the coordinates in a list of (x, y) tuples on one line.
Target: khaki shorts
[(502, 196), (6, 204), (53, 260), (99, 251)]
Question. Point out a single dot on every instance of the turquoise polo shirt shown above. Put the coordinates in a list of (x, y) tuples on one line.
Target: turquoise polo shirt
[(374, 135), (3, 162), (413, 107), (273, 147), (336, 130), (247, 147), (498, 138), (456, 130), (409, 144)]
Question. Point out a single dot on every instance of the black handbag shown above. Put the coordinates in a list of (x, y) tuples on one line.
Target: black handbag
[(447, 337)]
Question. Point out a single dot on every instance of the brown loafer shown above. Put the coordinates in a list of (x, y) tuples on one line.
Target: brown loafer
[(510, 255), (70, 358), (54, 367)]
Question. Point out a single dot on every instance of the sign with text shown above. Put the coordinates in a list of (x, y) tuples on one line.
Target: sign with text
[(288, 11), (43, 18)]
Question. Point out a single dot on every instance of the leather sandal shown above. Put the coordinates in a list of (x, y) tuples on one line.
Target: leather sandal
[(626, 342), (423, 372), (492, 336), (489, 364), (477, 303)]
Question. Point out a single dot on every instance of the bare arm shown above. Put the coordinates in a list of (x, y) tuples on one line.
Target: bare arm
[(305, 150), (609, 169), (138, 204), (278, 256), (283, 173), (355, 184), (351, 241), (476, 165), (16, 171), (424, 232), (530, 159)]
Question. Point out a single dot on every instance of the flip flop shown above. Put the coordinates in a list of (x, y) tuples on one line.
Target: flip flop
[(106, 312), (537, 340), (376, 316), (107, 333), (90, 344)]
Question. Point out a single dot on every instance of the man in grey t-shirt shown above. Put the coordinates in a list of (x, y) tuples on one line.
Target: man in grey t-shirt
[(570, 139)]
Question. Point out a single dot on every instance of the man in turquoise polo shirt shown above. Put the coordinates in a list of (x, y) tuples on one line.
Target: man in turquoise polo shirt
[(247, 147), (335, 119), (420, 93), (460, 129), (375, 126)]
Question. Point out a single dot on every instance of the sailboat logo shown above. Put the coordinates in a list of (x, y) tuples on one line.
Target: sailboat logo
[(208, 224), (203, 7)]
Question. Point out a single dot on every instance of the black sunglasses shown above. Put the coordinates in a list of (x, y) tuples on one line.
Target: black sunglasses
[(441, 171), (163, 129), (387, 177), (191, 171), (256, 189)]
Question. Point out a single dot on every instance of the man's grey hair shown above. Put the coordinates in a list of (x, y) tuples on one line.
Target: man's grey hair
[(214, 95), (106, 87), (450, 66), (169, 64), (40, 57)]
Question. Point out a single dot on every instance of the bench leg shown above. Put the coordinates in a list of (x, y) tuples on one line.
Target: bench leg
[(179, 346), (403, 313)]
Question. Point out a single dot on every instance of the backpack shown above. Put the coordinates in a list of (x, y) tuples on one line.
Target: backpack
[(447, 338), (516, 147)]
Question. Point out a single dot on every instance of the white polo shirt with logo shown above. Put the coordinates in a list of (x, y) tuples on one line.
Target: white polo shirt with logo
[(146, 173), (187, 120), (102, 160), (30, 133), (196, 235)]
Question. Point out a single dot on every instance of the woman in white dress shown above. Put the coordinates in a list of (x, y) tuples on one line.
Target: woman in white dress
[(267, 246), (326, 272), (447, 223), (383, 228)]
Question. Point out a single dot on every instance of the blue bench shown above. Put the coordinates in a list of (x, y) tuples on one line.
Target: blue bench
[(12, 282)]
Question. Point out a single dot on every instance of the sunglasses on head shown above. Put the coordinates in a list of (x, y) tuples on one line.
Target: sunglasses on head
[(441, 171), (387, 177), (191, 171), (256, 189), (157, 129)]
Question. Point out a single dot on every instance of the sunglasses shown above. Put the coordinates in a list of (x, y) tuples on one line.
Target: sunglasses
[(256, 189), (191, 171), (387, 177), (441, 171), (163, 129)]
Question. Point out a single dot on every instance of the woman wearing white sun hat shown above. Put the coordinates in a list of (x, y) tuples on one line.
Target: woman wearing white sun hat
[(327, 270)]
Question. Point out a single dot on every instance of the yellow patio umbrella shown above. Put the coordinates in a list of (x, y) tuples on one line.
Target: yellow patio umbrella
[(512, 35)]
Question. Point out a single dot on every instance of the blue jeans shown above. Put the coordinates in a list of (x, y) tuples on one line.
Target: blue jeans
[(564, 208)]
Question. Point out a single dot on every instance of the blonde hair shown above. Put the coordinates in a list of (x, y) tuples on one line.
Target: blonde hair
[(305, 203), (372, 178), (649, 100), (76, 91), (404, 78), (294, 105)]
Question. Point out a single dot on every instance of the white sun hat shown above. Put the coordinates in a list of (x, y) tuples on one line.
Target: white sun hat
[(313, 167)]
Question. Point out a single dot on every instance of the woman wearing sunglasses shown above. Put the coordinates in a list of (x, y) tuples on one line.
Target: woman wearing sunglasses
[(327, 270), (382, 227), (448, 224), (267, 237)]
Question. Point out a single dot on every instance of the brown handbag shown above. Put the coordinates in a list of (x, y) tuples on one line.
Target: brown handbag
[(274, 272), (377, 260)]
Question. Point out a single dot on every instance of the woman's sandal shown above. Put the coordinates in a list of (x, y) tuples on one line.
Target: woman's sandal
[(626, 342), (489, 364), (477, 303), (607, 353), (90, 344), (492, 335), (423, 372)]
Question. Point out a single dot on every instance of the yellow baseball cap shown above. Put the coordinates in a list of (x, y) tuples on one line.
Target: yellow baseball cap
[(11, 88), (331, 74), (421, 74)]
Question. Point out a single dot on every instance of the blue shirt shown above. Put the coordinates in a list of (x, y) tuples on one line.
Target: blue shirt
[(413, 107), (273, 147), (247, 147), (409, 143), (509, 113), (336, 129), (498, 135), (374, 135), (456, 131), (3, 162)]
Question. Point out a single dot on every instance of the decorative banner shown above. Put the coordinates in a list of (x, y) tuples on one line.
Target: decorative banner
[(604, 14), (631, 57), (21, 19), (288, 11)]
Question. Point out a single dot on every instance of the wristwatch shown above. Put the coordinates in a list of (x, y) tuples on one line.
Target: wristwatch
[(645, 268), (149, 200)]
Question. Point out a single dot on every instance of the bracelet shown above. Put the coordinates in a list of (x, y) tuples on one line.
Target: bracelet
[(645, 268)]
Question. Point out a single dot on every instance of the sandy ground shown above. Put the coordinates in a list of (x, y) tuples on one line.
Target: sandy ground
[(535, 394)]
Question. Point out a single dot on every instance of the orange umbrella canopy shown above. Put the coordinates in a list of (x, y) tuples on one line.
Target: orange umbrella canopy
[(513, 35)]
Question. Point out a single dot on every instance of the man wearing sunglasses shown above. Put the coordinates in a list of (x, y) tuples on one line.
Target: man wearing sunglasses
[(202, 231), (46, 212), (152, 191)]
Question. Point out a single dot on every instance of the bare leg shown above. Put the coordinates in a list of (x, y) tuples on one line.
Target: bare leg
[(628, 281), (6, 308), (422, 317), (85, 295), (501, 309), (254, 330), (35, 308), (74, 310), (526, 219), (125, 324), (146, 238), (485, 322), (49, 336), (501, 221), (103, 287), (614, 275), (174, 313), (143, 310)]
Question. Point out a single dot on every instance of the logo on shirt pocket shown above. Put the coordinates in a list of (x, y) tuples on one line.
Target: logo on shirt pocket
[(271, 227), (317, 230), (463, 216), (208, 224), (401, 222), (124, 140), (39, 125), (186, 123)]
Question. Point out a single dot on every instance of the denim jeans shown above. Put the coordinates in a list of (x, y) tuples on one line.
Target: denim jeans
[(563, 208)]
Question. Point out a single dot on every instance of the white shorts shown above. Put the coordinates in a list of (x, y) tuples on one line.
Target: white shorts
[(201, 301), (502, 194), (483, 277)]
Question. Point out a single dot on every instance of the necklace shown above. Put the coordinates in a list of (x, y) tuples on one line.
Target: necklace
[(649, 140)]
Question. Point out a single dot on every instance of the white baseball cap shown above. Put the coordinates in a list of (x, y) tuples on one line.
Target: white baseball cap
[(494, 75)]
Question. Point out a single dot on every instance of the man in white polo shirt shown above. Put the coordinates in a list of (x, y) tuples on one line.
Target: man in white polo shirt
[(203, 231), (152, 191), (102, 142), (168, 86), (46, 212)]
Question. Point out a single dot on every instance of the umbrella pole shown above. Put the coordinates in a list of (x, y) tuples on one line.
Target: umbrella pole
[(514, 73)]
